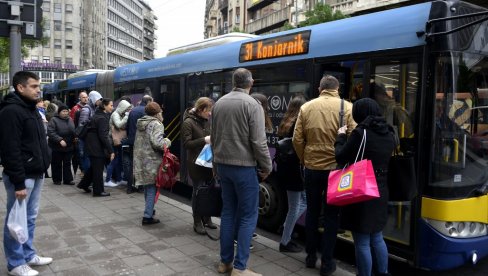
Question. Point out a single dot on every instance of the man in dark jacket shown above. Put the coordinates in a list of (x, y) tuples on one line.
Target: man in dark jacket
[(25, 158), (128, 144)]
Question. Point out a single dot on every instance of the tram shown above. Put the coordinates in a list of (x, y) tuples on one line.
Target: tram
[(427, 67)]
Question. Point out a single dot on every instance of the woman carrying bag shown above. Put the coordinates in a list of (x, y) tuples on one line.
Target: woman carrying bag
[(195, 133), (367, 219)]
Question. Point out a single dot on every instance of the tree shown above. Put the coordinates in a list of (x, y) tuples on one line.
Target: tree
[(237, 30), (320, 14)]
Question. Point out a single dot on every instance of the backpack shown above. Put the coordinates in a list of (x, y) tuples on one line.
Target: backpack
[(82, 130), (169, 168), (77, 117)]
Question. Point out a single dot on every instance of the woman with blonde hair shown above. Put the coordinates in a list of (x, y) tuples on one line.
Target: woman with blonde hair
[(195, 133)]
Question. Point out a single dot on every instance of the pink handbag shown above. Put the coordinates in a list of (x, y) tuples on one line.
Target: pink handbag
[(355, 183)]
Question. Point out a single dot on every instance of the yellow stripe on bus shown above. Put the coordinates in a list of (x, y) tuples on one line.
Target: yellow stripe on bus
[(470, 209)]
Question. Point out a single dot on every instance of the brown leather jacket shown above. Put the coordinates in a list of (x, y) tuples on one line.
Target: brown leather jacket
[(316, 130)]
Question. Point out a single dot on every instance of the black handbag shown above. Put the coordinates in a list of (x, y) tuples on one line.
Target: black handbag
[(402, 185), (208, 199)]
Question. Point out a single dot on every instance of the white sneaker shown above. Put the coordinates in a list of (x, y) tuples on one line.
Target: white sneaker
[(23, 270), (110, 184), (38, 260), (122, 182)]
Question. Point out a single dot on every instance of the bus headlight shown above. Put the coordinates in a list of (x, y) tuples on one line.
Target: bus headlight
[(459, 229)]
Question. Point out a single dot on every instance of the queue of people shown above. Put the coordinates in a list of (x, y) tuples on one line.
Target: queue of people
[(325, 133)]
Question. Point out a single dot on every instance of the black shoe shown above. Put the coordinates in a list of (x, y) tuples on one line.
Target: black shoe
[(290, 247), (154, 212), (149, 221), (87, 190), (69, 183), (57, 182), (140, 189), (327, 268), (310, 261), (101, 194)]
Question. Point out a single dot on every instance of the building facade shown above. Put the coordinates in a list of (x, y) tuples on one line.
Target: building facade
[(92, 34)]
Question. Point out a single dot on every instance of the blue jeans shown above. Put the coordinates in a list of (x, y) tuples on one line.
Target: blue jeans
[(18, 254), (240, 196), (149, 196), (297, 204), (114, 169), (362, 245), (85, 159)]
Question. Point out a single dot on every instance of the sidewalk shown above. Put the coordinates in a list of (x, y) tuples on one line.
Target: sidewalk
[(104, 236)]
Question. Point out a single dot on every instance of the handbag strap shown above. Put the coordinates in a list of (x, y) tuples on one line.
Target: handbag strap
[(361, 146), (341, 114)]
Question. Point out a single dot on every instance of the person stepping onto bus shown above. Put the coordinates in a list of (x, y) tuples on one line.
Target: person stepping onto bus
[(239, 145), (367, 219), (313, 140), (195, 133)]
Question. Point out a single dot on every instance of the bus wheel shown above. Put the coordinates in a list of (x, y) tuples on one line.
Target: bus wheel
[(272, 206)]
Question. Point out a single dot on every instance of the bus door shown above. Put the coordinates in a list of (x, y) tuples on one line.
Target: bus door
[(350, 75), (169, 98), (394, 84)]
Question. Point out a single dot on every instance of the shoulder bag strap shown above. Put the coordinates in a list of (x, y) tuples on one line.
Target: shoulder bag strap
[(341, 114), (362, 147)]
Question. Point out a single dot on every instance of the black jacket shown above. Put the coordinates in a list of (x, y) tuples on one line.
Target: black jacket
[(193, 132), (289, 170), (61, 129), (23, 144), (369, 216), (97, 141)]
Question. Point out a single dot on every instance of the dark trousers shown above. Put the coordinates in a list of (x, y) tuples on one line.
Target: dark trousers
[(94, 175), (61, 166), (75, 161), (315, 186), (127, 161)]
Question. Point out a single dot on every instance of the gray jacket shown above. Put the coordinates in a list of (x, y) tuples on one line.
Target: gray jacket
[(238, 134)]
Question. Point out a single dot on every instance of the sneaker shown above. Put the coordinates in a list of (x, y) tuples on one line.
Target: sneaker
[(149, 221), (251, 247), (23, 270), (290, 247), (38, 260), (224, 268), (246, 272), (121, 182), (110, 184), (254, 235)]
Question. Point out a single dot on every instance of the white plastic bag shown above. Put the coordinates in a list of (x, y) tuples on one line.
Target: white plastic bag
[(205, 157), (17, 221)]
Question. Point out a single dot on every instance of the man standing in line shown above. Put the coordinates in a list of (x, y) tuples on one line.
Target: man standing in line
[(83, 100), (313, 139), (128, 144), (75, 116), (25, 157), (239, 145)]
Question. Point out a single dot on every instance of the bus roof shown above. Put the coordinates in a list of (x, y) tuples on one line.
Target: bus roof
[(210, 42), (391, 29)]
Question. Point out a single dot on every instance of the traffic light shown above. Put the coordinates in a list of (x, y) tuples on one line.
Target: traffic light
[(32, 16)]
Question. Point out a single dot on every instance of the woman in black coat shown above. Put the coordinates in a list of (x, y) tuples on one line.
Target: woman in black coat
[(99, 148), (61, 135), (366, 220)]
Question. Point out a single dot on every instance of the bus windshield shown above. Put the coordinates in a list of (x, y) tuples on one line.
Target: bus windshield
[(460, 150)]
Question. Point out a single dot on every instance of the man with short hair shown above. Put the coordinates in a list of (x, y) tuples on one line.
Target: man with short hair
[(128, 144), (83, 100), (25, 157), (241, 152), (75, 116), (313, 139)]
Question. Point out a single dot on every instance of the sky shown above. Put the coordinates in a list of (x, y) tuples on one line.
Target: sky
[(180, 22)]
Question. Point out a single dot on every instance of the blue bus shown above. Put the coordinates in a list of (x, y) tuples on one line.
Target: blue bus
[(426, 65)]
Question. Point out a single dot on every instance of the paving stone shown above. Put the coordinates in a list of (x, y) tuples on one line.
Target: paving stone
[(270, 269), (79, 271), (111, 267), (153, 246), (158, 269), (128, 251), (79, 240), (66, 264), (109, 235), (168, 254), (182, 264), (139, 261)]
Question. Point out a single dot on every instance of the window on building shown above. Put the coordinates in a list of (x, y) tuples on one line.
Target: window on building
[(46, 76), (57, 59), (57, 25), (45, 59), (46, 6), (69, 44), (69, 60), (58, 76), (68, 26), (34, 58), (57, 7), (68, 8), (47, 44), (57, 44), (238, 15)]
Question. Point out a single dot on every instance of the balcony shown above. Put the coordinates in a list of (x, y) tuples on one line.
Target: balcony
[(253, 5), (223, 4), (268, 22)]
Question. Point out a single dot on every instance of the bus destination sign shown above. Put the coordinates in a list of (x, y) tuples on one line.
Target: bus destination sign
[(275, 47)]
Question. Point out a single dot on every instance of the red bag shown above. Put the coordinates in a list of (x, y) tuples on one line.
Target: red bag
[(169, 168), (353, 184)]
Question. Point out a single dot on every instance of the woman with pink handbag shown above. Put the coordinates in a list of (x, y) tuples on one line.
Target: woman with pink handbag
[(367, 219)]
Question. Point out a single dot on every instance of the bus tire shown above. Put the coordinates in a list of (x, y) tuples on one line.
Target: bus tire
[(273, 205)]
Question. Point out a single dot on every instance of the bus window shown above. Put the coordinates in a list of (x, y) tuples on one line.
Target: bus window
[(460, 134), (350, 75), (395, 87), (212, 85)]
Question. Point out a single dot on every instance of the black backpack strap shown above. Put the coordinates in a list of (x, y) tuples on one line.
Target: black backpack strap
[(341, 114)]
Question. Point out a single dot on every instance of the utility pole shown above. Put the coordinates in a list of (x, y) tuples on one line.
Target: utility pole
[(15, 39), (296, 13)]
